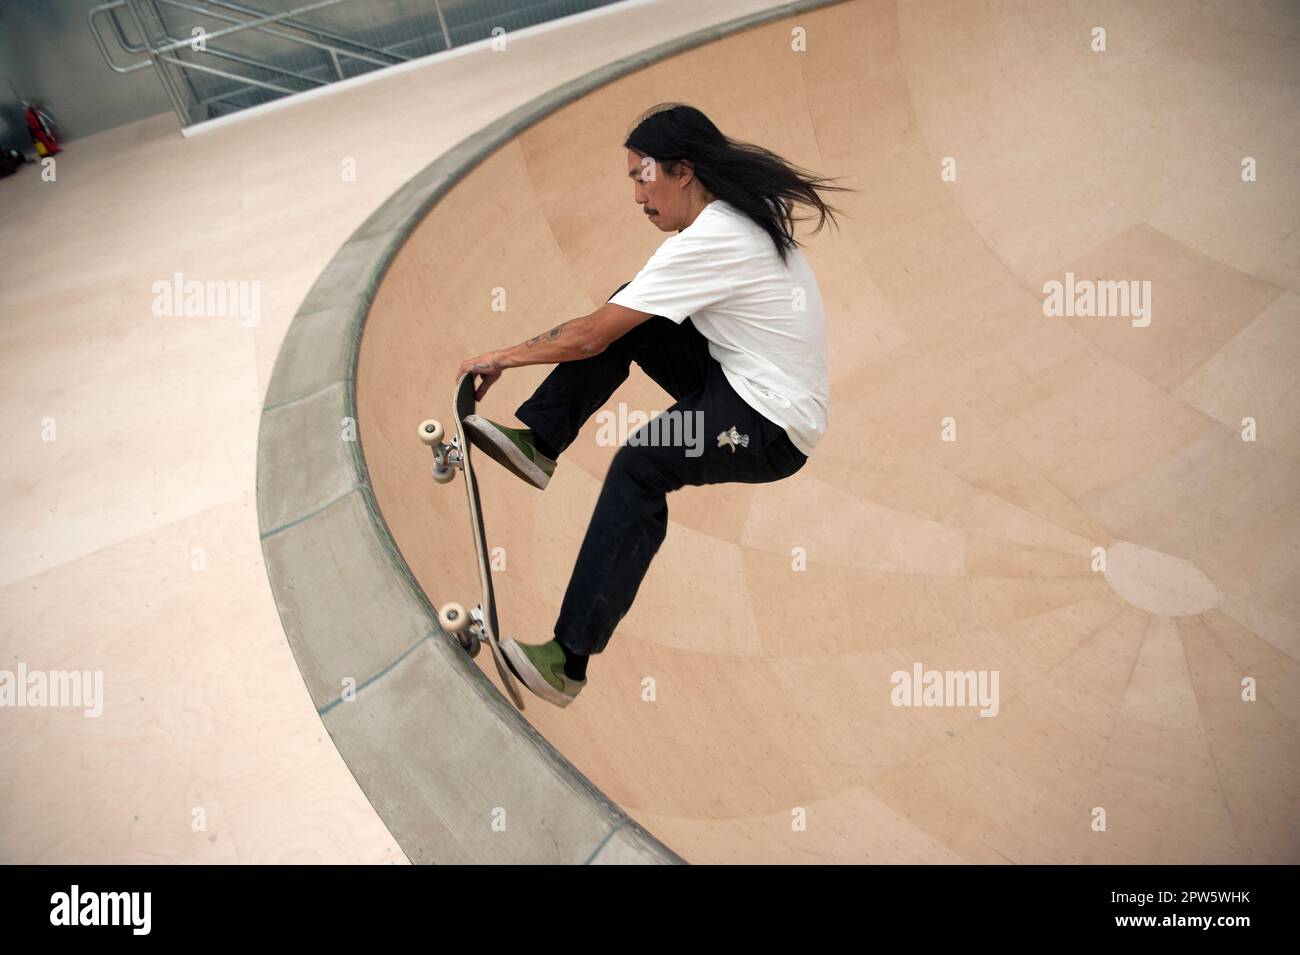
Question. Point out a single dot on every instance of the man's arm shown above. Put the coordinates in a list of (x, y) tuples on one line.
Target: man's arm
[(572, 340)]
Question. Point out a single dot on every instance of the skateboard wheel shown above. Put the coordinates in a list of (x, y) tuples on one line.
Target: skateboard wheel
[(453, 619), (475, 645), (444, 475), (431, 432)]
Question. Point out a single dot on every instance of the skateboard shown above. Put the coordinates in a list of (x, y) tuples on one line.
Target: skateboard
[(473, 627)]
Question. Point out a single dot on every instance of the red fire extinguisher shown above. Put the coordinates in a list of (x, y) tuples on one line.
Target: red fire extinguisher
[(41, 125)]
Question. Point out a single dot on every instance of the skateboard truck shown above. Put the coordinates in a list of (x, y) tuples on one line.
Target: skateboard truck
[(446, 457), (466, 627)]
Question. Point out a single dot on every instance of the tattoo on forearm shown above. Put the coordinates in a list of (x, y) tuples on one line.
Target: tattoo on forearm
[(550, 336)]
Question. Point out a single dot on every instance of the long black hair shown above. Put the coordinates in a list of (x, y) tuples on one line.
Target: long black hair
[(755, 180)]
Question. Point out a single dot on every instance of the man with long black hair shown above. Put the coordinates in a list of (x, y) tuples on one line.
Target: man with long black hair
[(726, 316)]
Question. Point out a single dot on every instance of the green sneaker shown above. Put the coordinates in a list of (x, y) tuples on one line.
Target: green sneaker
[(540, 667), (512, 448)]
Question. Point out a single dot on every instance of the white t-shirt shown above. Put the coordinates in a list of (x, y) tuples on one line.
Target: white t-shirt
[(763, 318)]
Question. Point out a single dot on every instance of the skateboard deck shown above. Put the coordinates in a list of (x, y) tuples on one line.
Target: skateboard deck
[(481, 622)]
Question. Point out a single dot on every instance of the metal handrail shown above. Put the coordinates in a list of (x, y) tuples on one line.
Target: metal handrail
[(258, 64), (325, 34), (242, 26), (111, 9), (158, 56), (257, 25), (130, 47), (266, 85)]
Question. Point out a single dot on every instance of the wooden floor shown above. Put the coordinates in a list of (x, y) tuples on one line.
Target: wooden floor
[(743, 710), (130, 535)]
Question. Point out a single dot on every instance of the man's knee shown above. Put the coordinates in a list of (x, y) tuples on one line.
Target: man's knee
[(633, 464)]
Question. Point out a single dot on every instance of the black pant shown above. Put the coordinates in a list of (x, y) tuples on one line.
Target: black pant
[(631, 517)]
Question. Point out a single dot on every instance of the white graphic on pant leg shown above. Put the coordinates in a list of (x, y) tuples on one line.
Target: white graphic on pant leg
[(733, 439)]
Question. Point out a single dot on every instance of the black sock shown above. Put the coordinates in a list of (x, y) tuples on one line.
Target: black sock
[(575, 664)]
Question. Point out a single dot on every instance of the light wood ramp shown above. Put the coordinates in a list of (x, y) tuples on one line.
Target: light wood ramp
[(1121, 691)]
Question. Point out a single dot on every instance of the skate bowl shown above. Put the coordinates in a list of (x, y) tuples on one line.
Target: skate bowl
[(1032, 600)]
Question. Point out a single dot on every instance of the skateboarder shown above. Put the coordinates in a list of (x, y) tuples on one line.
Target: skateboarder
[(726, 316)]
